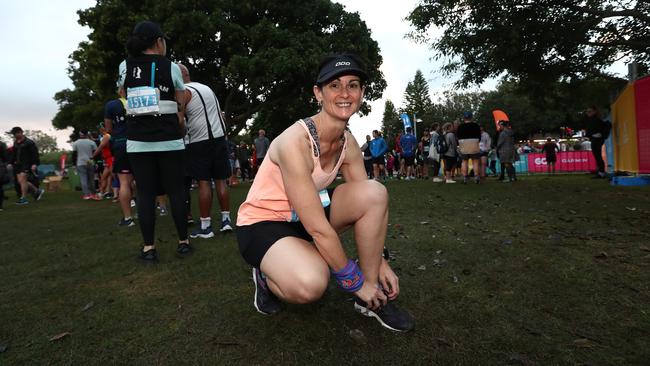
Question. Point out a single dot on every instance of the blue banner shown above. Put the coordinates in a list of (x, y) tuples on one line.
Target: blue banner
[(406, 120)]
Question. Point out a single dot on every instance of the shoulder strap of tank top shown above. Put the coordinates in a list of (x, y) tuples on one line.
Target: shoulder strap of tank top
[(311, 128)]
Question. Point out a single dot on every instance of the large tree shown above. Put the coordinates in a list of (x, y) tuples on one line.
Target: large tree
[(391, 124), (259, 56), (452, 104), (417, 100), (534, 41)]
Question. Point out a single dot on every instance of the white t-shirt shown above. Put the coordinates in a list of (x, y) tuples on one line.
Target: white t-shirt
[(485, 143), (85, 149), (202, 110)]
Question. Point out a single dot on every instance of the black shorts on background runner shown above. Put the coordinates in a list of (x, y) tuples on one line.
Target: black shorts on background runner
[(121, 164), (409, 160), (207, 160)]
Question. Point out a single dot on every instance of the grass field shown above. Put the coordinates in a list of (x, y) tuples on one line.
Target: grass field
[(539, 272)]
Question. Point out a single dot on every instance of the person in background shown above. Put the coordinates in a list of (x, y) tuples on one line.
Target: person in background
[(25, 160), (82, 154), (408, 143), (378, 148), (450, 157), (4, 171), (550, 149), (155, 145), (424, 147), (485, 145), (115, 123), (399, 164), (506, 150), (243, 156), (469, 137), (492, 162), (262, 144), (434, 156), (367, 156), (106, 174), (390, 164), (210, 155)]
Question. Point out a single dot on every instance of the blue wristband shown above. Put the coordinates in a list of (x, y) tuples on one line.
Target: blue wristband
[(350, 278)]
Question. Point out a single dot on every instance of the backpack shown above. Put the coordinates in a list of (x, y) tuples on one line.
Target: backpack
[(441, 144)]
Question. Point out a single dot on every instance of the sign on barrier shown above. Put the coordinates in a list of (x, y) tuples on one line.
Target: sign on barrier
[(567, 161)]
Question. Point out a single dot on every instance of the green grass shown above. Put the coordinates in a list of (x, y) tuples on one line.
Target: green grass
[(543, 271)]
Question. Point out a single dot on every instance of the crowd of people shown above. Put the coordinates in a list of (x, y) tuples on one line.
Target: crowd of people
[(444, 150)]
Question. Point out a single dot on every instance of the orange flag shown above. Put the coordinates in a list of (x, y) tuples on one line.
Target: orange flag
[(499, 115)]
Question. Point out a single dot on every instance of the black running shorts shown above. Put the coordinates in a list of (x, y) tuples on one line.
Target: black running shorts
[(470, 156), (207, 160), (256, 239), (409, 160), (450, 162), (121, 164)]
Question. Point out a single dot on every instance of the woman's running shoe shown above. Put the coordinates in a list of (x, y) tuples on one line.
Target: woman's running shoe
[(389, 315), (265, 301)]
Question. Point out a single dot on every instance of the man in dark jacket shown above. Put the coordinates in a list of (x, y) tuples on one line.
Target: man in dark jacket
[(25, 161), (597, 131), (4, 173)]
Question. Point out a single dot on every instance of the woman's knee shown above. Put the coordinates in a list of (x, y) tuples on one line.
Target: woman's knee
[(374, 192), (307, 288)]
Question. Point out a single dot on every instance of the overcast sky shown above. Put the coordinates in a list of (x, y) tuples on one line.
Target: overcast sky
[(39, 35)]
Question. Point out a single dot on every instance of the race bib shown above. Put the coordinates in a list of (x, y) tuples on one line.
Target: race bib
[(324, 200), (142, 101), (324, 197)]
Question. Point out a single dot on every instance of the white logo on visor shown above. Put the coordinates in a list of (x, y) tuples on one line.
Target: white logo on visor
[(342, 63)]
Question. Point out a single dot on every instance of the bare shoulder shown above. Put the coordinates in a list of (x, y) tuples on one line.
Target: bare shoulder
[(352, 149), (352, 141), (293, 140)]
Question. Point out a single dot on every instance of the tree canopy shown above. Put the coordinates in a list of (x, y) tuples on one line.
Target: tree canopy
[(417, 98), (391, 124), (260, 57), (535, 42)]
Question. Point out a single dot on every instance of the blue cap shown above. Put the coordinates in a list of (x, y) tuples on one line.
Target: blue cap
[(468, 115)]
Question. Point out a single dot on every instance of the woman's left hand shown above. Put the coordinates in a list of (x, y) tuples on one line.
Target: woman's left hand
[(388, 280)]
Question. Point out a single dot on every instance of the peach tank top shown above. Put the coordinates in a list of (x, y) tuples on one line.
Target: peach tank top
[(267, 199)]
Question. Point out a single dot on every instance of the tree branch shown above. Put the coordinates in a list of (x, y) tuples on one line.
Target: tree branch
[(603, 13)]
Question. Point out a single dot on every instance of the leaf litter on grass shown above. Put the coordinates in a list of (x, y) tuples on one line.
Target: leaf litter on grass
[(59, 336)]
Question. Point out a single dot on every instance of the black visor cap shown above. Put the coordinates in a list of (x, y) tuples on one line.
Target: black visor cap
[(340, 66)]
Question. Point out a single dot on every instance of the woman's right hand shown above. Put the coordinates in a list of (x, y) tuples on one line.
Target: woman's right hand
[(372, 295)]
